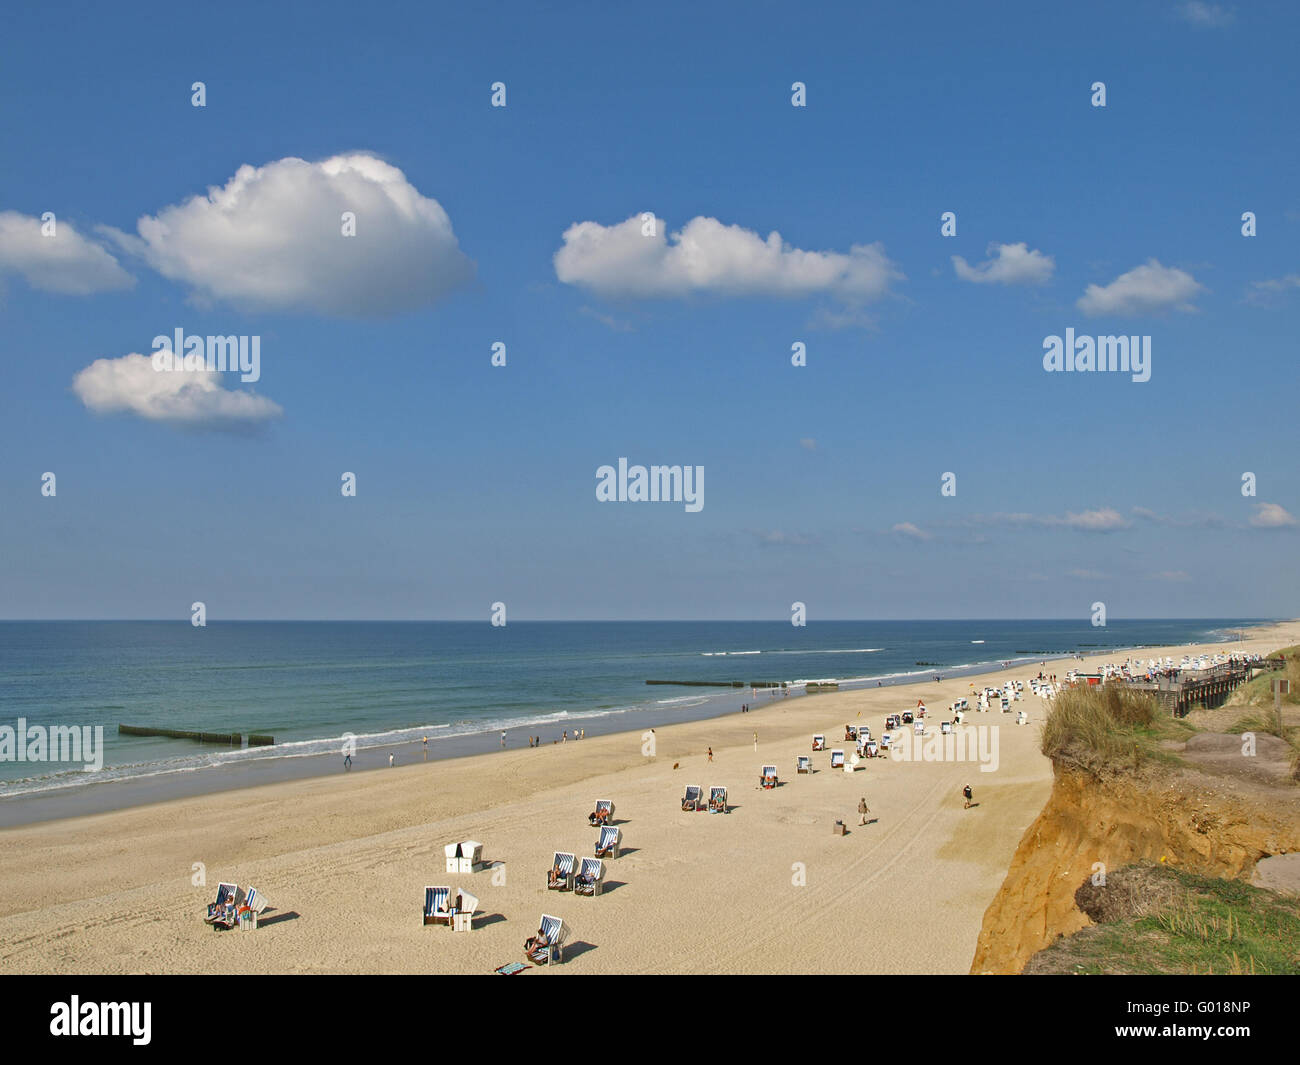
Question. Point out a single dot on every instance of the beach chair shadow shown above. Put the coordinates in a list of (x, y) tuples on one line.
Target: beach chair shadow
[(623, 852), (577, 949), (287, 915), (491, 918), (612, 885)]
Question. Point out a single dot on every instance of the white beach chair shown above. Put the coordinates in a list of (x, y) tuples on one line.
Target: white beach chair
[(885, 740), (463, 916), (437, 905), (254, 901), (604, 812), (803, 764), (872, 749), (611, 839), (918, 727), (466, 857), (1022, 718), (768, 778), (693, 797), (819, 742), (945, 727), (717, 799), (591, 877), (554, 932), (837, 759), (566, 863)]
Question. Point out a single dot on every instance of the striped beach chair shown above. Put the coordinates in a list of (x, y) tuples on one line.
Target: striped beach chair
[(222, 912), (591, 877), (837, 759), (437, 901), (553, 934), (717, 799), (611, 839), (768, 778), (565, 863), (803, 764), (691, 800)]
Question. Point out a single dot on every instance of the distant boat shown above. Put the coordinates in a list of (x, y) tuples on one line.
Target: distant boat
[(977, 641)]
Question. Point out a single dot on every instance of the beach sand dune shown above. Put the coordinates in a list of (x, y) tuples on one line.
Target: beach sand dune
[(767, 888)]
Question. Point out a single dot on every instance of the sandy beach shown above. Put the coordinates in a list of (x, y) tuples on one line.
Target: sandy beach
[(766, 888)]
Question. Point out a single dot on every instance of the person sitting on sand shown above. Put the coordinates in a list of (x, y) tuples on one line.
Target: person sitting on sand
[(536, 943), (556, 876)]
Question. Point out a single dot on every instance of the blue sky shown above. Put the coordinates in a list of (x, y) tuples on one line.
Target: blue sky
[(476, 483)]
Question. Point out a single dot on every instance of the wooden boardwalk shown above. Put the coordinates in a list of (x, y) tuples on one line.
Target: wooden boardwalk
[(1203, 687)]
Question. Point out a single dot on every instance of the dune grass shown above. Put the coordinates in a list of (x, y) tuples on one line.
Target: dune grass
[(1207, 926), (1110, 727)]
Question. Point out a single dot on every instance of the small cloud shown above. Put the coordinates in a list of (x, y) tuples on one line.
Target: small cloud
[(187, 397), (808, 443), (1204, 15), (1271, 516), (1265, 292), (616, 324), (1102, 519), (65, 262), (912, 532), (1147, 289), (779, 538), (1011, 264), (706, 256)]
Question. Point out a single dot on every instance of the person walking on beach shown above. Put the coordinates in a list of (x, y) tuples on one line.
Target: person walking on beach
[(966, 793), (347, 761), (863, 810), (755, 741), (503, 739), (710, 754), (566, 736), (390, 760)]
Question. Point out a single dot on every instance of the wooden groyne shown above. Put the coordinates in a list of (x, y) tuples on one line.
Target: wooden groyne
[(702, 683), (225, 739)]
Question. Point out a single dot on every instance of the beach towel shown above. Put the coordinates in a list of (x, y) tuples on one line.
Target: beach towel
[(512, 968)]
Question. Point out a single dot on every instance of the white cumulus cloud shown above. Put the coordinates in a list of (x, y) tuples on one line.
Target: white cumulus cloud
[(272, 238), (193, 397), (1271, 516), (64, 262), (1147, 289), (706, 256), (1010, 264)]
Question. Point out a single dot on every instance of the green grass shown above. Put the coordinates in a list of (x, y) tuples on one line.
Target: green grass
[(1110, 727), (1213, 926)]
